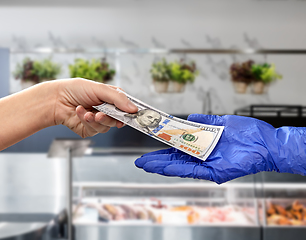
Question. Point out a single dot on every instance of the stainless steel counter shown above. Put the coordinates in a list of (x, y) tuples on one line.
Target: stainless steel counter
[(166, 232), (31, 195), (20, 230)]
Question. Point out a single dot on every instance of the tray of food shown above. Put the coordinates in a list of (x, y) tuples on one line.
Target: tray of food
[(156, 211), (286, 212)]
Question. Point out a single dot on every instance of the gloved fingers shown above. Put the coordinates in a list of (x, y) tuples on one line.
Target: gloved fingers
[(185, 166), (140, 162), (193, 170), (205, 119), (188, 170), (158, 166)]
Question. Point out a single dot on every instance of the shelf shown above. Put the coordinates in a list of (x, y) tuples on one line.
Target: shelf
[(119, 51), (200, 185), (272, 111)]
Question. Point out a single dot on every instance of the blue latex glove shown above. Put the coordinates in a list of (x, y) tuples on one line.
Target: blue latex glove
[(247, 146)]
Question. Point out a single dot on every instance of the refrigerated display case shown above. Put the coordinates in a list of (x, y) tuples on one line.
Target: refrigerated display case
[(147, 206), (283, 210), (114, 200), (165, 211), (181, 208)]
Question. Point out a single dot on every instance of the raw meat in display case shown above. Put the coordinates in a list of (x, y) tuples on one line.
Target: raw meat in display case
[(182, 214), (286, 212), (191, 208)]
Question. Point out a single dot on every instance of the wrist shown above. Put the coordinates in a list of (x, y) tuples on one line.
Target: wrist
[(63, 101), (44, 103), (263, 141)]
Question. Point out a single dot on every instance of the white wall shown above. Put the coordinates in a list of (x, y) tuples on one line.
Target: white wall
[(169, 24)]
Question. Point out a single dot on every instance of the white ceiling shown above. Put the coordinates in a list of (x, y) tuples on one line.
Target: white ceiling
[(89, 3), (119, 3)]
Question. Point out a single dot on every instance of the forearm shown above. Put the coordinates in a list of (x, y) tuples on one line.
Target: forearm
[(289, 150), (24, 113)]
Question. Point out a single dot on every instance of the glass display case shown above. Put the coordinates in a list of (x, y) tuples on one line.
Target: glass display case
[(283, 210), (139, 205), (178, 204), (114, 200)]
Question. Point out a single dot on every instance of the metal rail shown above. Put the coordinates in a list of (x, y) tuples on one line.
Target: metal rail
[(272, 110)]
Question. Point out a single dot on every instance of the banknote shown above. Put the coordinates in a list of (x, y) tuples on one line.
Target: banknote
[(192, 138)]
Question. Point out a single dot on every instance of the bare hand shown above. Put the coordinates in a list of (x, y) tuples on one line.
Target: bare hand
[(74, 106)]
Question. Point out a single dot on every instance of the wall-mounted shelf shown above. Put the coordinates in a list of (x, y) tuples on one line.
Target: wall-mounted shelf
[(159, 51)]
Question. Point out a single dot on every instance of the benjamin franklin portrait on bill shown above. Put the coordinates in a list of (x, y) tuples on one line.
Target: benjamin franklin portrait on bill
[(145, 119)]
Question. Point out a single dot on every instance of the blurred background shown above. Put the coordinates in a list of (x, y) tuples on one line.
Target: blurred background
[(244, 57)]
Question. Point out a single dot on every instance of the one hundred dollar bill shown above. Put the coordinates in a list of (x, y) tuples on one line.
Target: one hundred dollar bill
[(193, 138)]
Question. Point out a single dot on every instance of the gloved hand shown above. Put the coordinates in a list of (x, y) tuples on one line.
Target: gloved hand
[(247, 146)]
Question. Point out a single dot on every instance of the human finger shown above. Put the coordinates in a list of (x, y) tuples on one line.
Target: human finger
[(120, 124), (102, 118), (115, 87), (108, 121), (91, 128), (112, 96), (87, 130), (100, 128)]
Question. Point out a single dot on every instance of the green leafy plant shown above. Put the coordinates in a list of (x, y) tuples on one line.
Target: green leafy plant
[(183, 72), (160, 71), (265, 73), (25, 71), (37, 71), (46, 69), (242, 72), (97, 70)]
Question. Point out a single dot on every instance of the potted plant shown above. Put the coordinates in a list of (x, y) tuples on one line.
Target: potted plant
[(182, 73), (264, 74), (46, 69), (160, 75), (241, 75), (32, 72), (97, 70), (26, 73)]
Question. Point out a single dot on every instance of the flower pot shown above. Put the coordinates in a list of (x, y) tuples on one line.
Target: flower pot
[(240, 87), (258, 87), (161, 86), (27, 83), (178, 87)]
